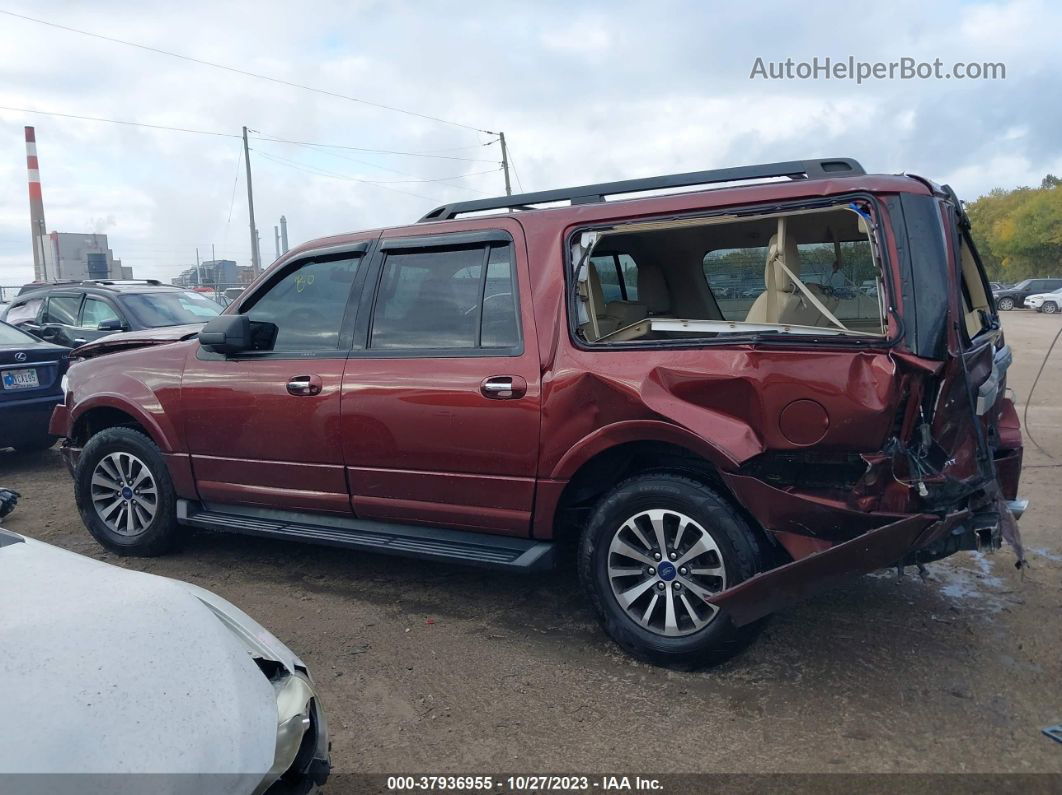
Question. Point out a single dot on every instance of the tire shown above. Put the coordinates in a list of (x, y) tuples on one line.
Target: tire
[(118, 457), (673, 498), (1005, 304), (1049, 308)]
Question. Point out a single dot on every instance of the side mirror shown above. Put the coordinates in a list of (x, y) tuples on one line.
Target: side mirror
[(114, 324), (227, 334)]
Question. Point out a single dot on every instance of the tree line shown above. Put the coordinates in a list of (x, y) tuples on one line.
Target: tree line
[(1019, 232)]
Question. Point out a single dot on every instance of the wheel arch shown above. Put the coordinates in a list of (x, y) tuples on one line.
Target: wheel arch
[(110, 412)]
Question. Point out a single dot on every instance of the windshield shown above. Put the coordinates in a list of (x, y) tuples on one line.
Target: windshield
[(9, 335), (170, 308)]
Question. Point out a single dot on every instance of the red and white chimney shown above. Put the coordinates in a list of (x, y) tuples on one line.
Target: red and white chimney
[(37, 232)]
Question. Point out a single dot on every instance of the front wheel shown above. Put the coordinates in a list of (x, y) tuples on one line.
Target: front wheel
[(1049, 308), (1006, 304), (124, 493), (655, 550)]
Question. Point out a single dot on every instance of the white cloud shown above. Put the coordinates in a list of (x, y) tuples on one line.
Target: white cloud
[(602, 91)]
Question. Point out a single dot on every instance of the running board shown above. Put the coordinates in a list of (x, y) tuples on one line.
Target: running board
[(430, 543)]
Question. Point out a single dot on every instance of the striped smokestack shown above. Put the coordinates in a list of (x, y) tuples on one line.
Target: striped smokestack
[(40, 269)]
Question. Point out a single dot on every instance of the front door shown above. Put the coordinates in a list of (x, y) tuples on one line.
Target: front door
[(441, 394), (263, 426)]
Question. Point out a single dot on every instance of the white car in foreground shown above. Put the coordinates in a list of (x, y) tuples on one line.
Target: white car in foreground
[(119, 681), (1048, 303)]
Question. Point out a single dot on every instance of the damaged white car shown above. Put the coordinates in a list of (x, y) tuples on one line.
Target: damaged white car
[(120, 681)]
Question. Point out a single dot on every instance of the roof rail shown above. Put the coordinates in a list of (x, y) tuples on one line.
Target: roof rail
[(590, 194), (121, 281)]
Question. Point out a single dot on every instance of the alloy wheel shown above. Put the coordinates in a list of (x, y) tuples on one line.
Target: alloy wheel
[(1050, 307), (124, 494), (663, 567), (1006, 304)]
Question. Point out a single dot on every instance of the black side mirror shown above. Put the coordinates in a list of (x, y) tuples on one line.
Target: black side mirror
[(227, 334), (113, 324)]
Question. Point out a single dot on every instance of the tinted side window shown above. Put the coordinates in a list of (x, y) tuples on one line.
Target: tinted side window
[(446, 299), (307, 304), (95, 311), (62, 309)]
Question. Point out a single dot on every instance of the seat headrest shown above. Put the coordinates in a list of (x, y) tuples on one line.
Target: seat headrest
[(791, 256), (652, 290)]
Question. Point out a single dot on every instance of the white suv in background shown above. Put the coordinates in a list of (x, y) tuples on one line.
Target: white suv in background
[(1048, 303)]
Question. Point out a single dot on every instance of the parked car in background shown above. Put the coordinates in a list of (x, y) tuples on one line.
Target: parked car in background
[(31, 373), (112, 672), (997, 286), (1048, 303), (1015, 296), (464, 389), (74, 313)]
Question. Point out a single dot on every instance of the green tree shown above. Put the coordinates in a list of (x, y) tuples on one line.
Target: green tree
[(1019, 232)]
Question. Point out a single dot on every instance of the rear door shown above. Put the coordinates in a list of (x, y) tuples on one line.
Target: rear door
[(440, 415), (96, 310), (59, 319), (263, 427)]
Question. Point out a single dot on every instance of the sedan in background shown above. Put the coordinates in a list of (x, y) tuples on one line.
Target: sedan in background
[(1048, 303), (121, 681), (31, 373)]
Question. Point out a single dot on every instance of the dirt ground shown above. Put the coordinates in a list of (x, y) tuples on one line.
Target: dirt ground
[(440, 669)]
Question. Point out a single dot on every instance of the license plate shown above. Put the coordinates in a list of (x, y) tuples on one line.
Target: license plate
[(20, 379)]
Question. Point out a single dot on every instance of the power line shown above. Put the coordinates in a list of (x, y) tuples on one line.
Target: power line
[(234, 135), (323, 173), (117, 121), (364, 149), (244, 72)]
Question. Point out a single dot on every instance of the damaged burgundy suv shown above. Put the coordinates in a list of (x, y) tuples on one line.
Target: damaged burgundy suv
[(697, 387)]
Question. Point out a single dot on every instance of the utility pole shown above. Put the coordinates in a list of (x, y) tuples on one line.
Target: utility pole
[(505, 164), (255, 264), (198, 269)]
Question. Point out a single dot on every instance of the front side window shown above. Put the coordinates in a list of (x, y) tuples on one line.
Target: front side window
[(170, 308), (460, 298), (96, 311), (62, 309), (307, 304)]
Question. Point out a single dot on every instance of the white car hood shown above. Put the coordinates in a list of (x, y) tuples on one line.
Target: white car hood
[(106, 670)]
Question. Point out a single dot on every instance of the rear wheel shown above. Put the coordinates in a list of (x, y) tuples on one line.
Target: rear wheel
[(656, 549), (1049, 308), (124, 493), (1006, 304)]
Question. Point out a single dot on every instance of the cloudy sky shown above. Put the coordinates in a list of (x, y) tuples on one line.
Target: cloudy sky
[(585, 91)]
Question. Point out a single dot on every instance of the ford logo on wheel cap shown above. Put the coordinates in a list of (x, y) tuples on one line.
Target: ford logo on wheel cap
[(667, 571)]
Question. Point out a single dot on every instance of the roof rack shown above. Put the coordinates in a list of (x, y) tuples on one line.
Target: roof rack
[(591, 194), (110, 282)]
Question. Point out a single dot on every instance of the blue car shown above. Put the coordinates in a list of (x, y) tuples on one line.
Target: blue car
[(31, 374)]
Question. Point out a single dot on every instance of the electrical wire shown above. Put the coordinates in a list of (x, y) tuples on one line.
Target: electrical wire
[(1028, 400), (509, 150), (322, 173), (245, 72), (365, 149), (117, 121)]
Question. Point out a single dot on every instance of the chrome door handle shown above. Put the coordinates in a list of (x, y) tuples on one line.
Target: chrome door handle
[(304, 385), (503, 387)]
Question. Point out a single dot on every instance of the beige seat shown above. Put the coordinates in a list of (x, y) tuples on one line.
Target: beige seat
[(653, 291), (612, 315), (791, 306)]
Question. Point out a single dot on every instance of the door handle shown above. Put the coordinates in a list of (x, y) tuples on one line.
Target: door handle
[(304, 385), (503, 387)]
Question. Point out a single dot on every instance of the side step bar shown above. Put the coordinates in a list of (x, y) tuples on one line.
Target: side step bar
[(430, 543)]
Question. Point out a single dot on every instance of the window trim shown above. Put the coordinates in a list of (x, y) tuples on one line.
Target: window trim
[(475, 239), (364, 248)]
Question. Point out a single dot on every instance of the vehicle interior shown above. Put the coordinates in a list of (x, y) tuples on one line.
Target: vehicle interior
[(807, 272)]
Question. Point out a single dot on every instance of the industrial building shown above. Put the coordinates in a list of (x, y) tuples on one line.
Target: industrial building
[(218, 273), (77, 257)]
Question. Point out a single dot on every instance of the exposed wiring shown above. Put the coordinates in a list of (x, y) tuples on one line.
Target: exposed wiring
[(244, 72), (1028, 400)]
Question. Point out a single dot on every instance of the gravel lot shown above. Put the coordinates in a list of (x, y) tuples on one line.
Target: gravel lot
[(432, 668)]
